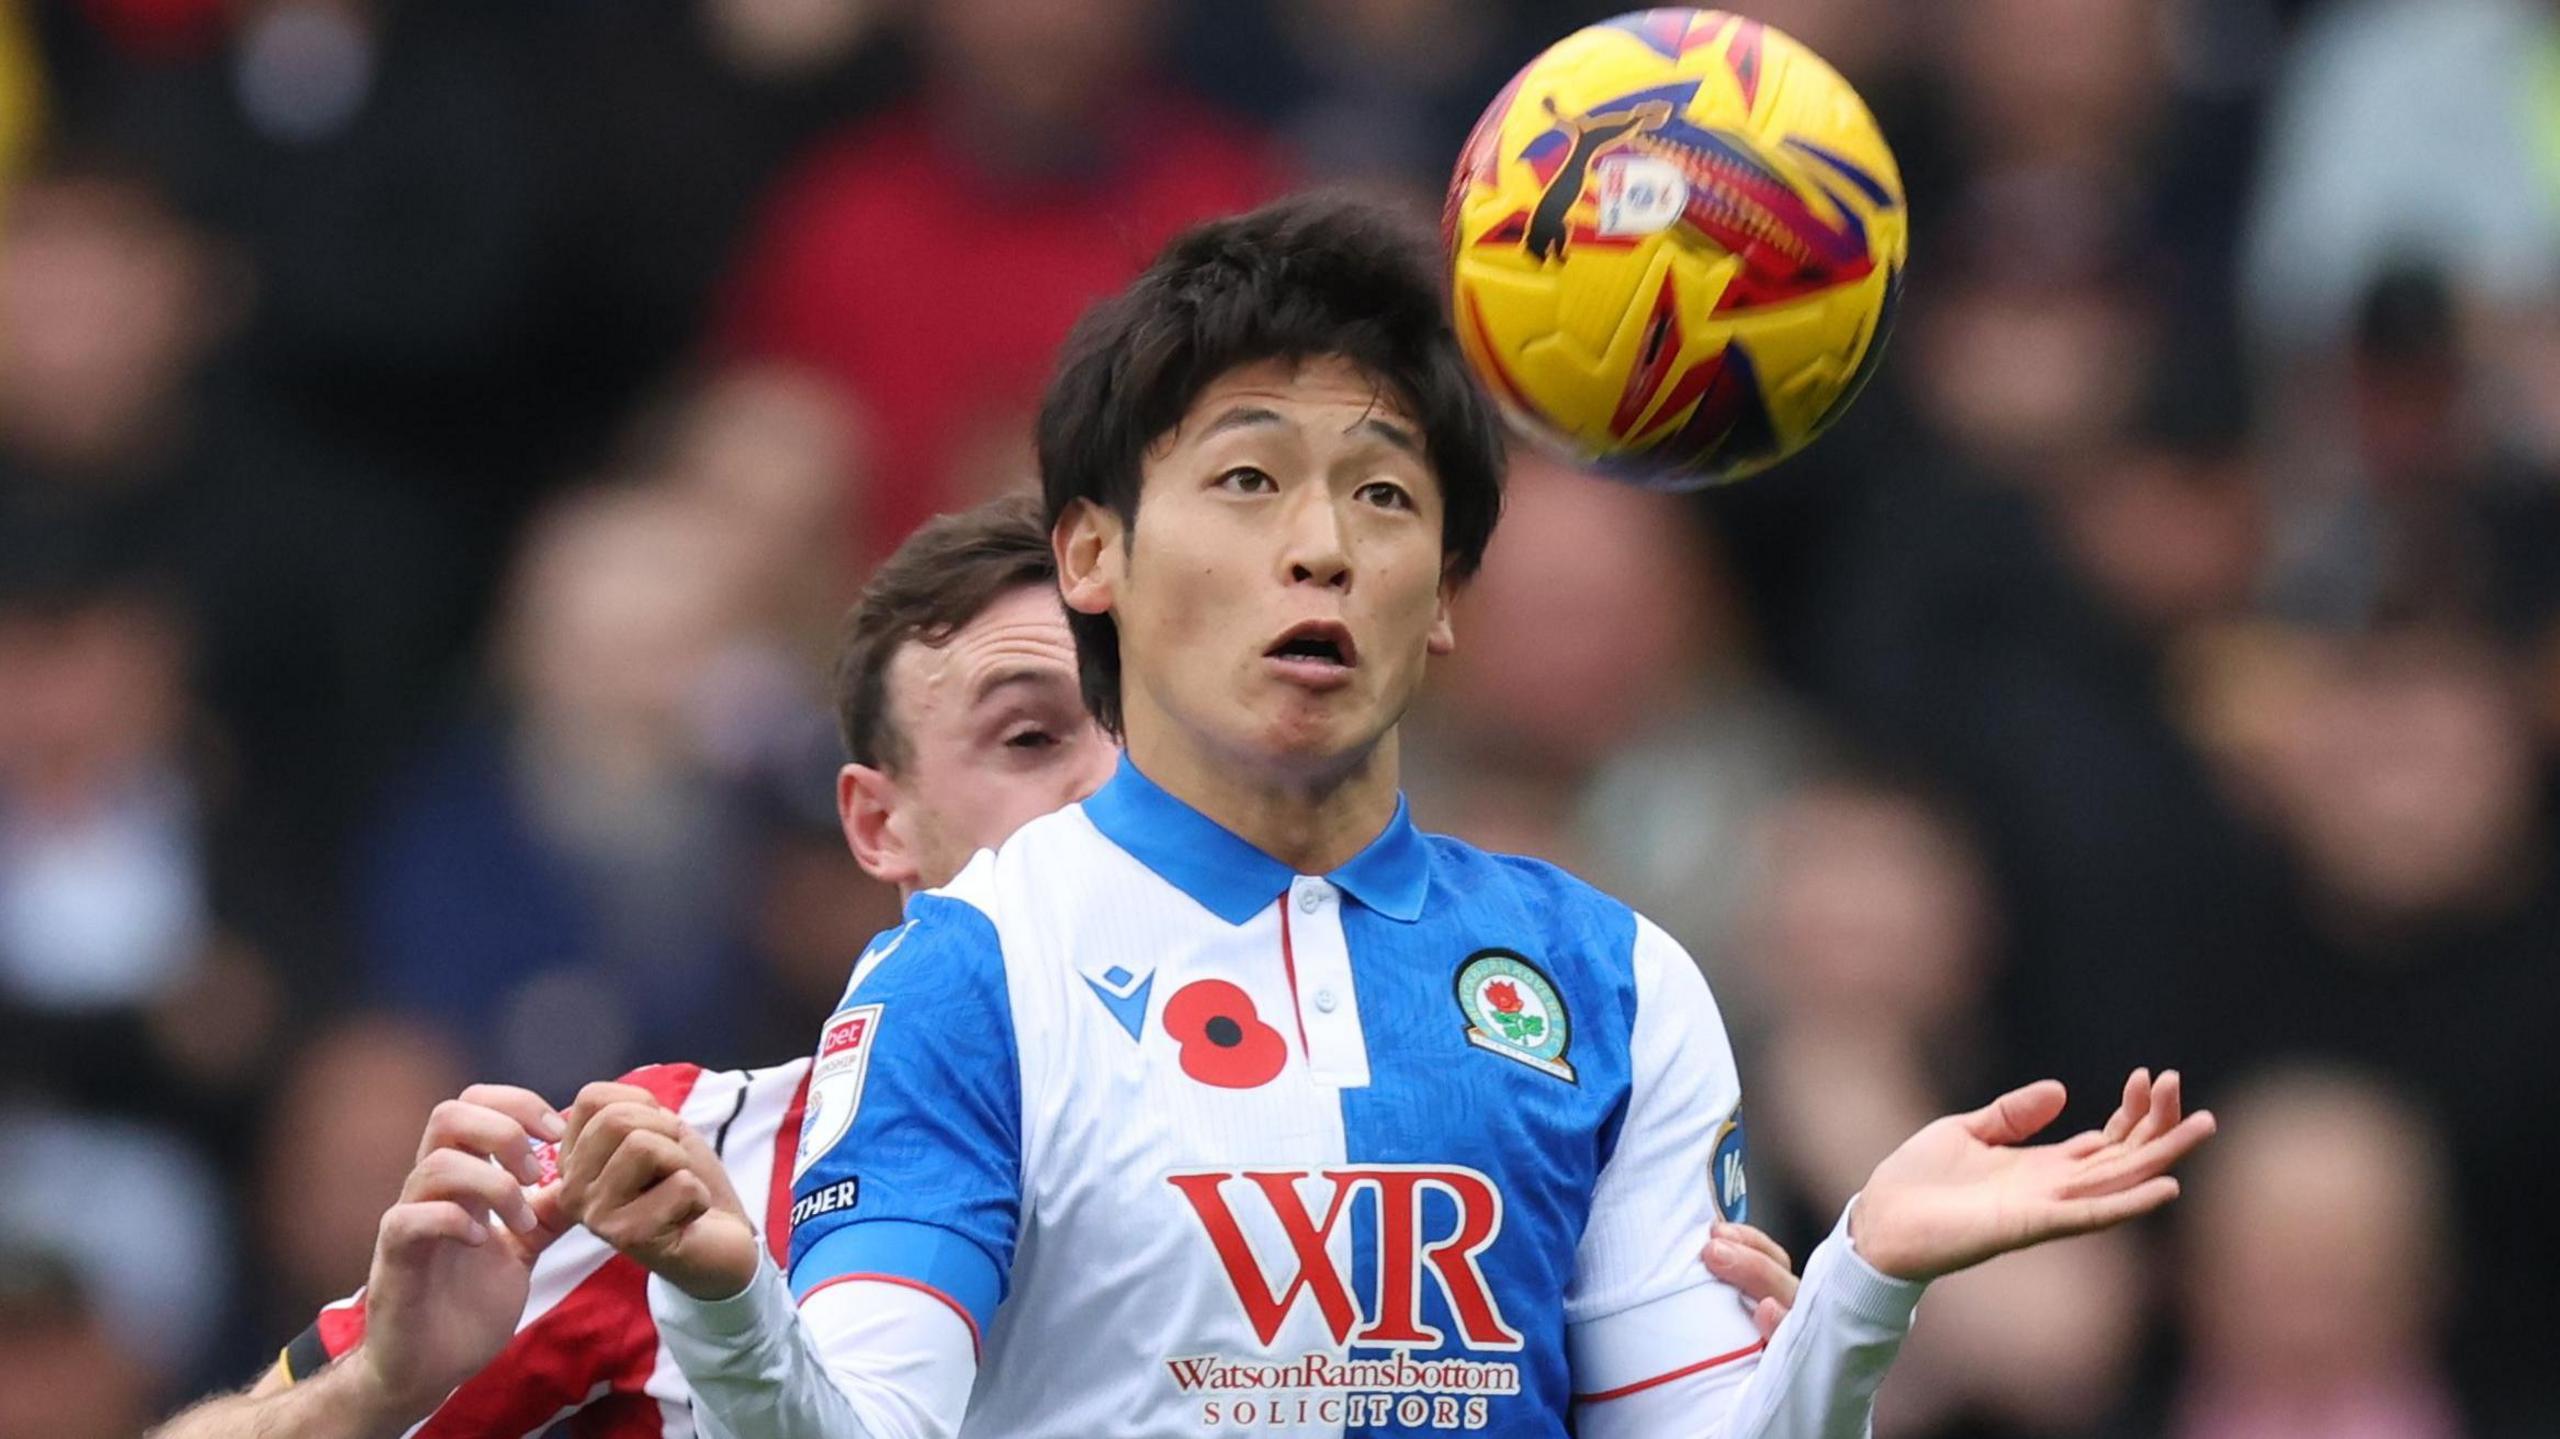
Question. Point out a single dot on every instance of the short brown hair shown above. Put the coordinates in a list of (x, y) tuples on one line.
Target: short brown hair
[(1302, 278), (944, 576)]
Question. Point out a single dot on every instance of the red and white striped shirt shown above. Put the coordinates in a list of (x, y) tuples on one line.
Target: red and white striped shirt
[(586, 1351)]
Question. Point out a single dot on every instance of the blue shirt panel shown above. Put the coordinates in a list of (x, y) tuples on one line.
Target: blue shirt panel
[(1436, 1099)]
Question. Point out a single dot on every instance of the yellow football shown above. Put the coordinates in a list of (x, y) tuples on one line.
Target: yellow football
[(1675, 242)]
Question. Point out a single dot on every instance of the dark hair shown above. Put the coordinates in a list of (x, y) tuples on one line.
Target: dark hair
[(1303, 278), (944, 576)]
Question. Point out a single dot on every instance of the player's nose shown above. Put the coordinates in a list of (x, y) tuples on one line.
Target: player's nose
[(1314, 547)]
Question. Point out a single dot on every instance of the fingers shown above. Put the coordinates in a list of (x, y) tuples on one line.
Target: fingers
[(2162, 1115), (662, 1212), (1766, 1316), (1752, 1270), (2137, 1100), (594, 1100), (521, 1105), (1752, 1238), (642, 1160), (2019, 1115), (409, 1227), (2107, 1211), (449, 1175), (2128, 1168), (484, 1131), (597, 1133)]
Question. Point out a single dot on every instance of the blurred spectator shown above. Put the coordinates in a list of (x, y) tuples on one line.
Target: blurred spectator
[(317, 607), (1379, 93), (1984, 634), (136, 1217), (2401, 770), (679, 115), (775, 454), (929, 260), (385, 169), (339, 1142), (2318, 1268), (2405, 132), (63, 1372), (558, 882), (1603, 708), (126, 979), (1870, 924), (2419, 510), (108, 297)]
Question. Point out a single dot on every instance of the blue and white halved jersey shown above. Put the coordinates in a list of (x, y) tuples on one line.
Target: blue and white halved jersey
[(1193, 1144)]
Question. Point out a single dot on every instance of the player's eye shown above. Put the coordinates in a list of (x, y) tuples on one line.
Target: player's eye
[(1385, 494), (1030, 739), (1247, 480)]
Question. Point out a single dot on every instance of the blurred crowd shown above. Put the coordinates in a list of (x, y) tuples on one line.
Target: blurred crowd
[(437, 441)]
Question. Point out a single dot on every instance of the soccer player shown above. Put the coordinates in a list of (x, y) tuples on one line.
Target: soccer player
[(1228, 1101), (958, 704), (957, 698)]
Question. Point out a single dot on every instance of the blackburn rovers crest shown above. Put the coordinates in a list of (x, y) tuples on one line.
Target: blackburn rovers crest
[(1513, 1010)]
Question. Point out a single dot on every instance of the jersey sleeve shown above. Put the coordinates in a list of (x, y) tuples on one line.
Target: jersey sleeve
[(909, 1167), (1642, 1306), (585, 1335), (334, 1332), (1660, 1348)]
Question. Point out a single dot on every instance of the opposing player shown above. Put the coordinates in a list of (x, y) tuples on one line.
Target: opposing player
[(1228, 1101), (957, 698)]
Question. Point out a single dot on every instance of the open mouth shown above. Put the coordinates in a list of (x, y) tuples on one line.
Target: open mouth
[(1316, 643)]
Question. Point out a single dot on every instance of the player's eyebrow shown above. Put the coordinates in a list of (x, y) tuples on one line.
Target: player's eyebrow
[(1243, 417), (1009, 676), (1391, 432)]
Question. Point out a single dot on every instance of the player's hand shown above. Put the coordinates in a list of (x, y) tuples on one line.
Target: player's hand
[(638, 1176), (1753, 1263), (1963, 1189), (454, 1258)]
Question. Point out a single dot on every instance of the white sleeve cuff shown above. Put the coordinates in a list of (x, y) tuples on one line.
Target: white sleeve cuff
[(1859, 1290), (719, 1330)]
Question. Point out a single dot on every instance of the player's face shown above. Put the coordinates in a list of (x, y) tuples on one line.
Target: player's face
[(996, 735), (1283, 584)]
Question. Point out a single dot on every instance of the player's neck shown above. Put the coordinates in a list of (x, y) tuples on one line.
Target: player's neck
[(1312, 823)]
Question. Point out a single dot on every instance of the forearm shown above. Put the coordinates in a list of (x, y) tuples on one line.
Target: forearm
[(868, 1369), (1816, 1380), (339, 1402)]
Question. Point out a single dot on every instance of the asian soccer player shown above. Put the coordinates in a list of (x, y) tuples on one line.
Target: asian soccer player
[(1227, 1100)]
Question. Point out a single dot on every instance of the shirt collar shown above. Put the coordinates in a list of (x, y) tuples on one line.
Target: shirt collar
[(1232, 879)]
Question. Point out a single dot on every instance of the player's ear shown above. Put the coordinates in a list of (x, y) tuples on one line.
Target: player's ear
[(866, 803), (1088, 542), (1443, 639)]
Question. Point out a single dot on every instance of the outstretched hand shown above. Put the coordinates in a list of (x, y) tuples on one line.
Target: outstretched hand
[(1969, 1187)]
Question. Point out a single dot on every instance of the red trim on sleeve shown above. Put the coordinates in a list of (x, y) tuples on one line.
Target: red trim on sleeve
[(786, 1157), (1701, 1367), (904, 1282)]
